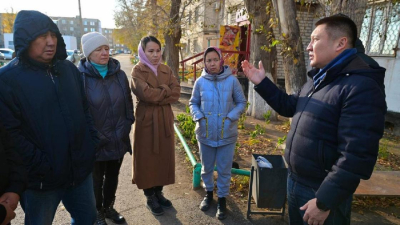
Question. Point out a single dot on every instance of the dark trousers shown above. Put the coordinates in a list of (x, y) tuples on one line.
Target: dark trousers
[(153, 190), (105, 182), (299, 195)]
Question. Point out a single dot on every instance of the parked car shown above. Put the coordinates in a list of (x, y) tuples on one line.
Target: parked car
[(7, 52), (111, 52), (2, 56), (70, 52), (73, 56)]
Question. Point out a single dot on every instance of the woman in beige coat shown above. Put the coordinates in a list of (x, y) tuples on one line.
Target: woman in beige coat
[(156, 88)]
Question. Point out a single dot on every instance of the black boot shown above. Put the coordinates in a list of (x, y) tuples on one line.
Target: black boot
[(205, 204), (100, 218), (113, 215), (221, 209), (154, 206), (165, 203)]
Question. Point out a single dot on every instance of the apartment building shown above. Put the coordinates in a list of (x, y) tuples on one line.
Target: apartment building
[(71, 26)]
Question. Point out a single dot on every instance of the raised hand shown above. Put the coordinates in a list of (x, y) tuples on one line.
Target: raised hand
[(253, 74)]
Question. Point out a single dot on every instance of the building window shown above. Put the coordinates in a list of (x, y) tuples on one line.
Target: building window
[(110, 31), (106, 31), (63, 21), (71, 22), (92, 29), (85, 29), (380, 28), (92, 23), (71, 29), (85, 22)]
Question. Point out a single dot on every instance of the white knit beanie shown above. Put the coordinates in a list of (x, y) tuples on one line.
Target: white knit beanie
[(91, 41)]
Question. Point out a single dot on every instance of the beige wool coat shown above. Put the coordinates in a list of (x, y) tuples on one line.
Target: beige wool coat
[(154, 139)]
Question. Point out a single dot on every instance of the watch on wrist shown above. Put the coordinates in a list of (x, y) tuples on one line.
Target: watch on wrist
[(321, 206)]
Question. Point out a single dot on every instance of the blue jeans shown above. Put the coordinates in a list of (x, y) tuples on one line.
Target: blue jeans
[(40, 206), (299, 194)]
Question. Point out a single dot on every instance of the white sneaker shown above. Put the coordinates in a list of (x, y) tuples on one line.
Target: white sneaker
[(263, 162)]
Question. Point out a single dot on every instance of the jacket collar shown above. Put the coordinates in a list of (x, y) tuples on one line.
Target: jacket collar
[(86, 67), (151, 78)]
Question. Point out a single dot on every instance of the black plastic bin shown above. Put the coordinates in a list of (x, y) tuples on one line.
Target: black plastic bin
[(268, 186)]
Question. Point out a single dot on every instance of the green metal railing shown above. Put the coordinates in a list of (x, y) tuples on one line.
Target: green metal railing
[(197, 166)]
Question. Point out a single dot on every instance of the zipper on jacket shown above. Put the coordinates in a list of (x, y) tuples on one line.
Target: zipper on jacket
[(41, 185), (51, 76), (222, 128), (206, 127), (315, 88), (114, 123)]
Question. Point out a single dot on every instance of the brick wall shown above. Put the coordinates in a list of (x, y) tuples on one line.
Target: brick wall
[(306, 24)]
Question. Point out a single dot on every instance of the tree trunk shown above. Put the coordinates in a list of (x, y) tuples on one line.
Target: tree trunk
[(353, 9), (257, 11), (172, 38), (154, 28), (172, 51), (292, 47)]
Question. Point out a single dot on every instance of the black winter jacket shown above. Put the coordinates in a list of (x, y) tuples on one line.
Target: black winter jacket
[(111, 107), (13, 176), (45, 111), (334, 137)]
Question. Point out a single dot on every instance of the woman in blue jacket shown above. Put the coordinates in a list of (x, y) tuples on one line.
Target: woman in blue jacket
[(108, 93), (216, 104)]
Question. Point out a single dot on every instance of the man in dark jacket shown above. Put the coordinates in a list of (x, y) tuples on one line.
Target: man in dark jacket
[(45, 111), (13, 178), (338, 119)]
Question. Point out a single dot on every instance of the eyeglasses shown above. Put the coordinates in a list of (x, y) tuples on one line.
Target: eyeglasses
[(211, 60)]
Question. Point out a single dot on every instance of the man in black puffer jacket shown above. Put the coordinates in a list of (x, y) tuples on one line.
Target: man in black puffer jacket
[(338, 119), (45, 111)]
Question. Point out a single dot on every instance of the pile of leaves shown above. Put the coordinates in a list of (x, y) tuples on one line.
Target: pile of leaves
[(362, 202)]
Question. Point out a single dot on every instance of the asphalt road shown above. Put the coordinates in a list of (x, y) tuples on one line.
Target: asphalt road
[(130, 201)]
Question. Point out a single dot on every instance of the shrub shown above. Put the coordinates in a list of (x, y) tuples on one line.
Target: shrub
[(187, 125)]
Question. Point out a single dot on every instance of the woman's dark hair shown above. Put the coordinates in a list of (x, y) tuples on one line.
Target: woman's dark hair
[(208, 50), (148, 39)]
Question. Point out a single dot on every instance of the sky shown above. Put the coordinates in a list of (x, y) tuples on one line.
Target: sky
[(94, 9)]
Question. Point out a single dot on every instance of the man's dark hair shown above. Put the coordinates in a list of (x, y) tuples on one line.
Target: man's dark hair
[(147, 39), (338, 25)]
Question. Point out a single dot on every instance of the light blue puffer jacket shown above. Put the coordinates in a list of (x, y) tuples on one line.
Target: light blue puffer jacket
[(217, 98)]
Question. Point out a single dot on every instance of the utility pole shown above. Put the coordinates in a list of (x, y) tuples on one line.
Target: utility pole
[(81, 26)]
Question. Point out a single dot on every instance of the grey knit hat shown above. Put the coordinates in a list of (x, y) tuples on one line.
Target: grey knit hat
[(91, 41)]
